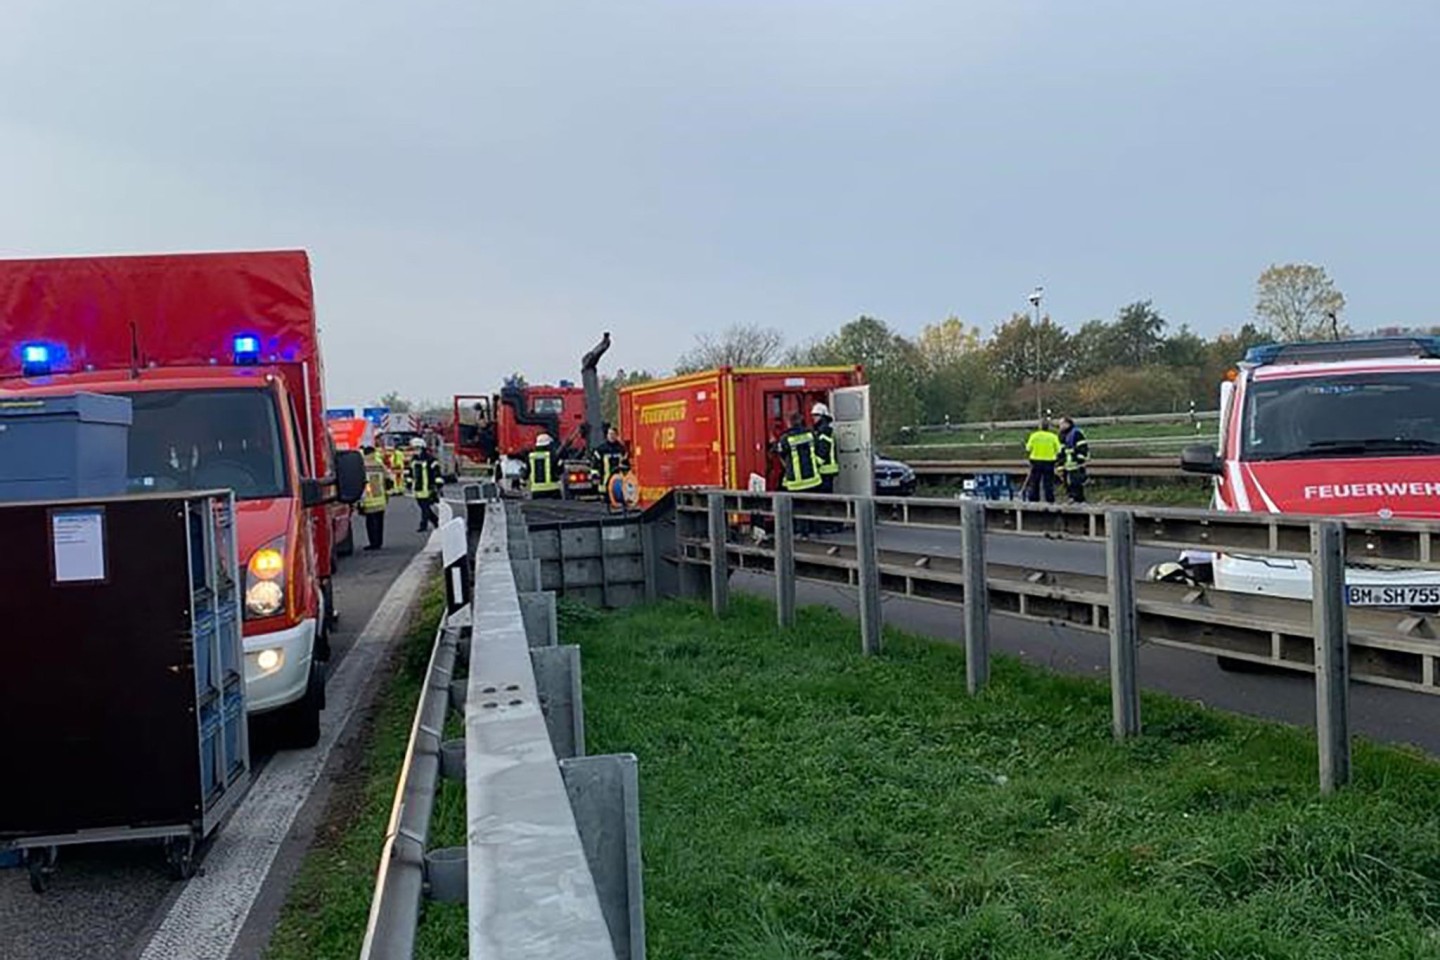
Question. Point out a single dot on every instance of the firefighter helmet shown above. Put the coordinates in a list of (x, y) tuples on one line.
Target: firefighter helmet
[(543, 440), (819, 410)]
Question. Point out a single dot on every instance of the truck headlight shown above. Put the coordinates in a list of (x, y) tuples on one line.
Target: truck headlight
[(269, 660), (265, 580)]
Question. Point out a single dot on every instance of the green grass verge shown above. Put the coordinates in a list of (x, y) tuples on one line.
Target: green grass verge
[(1119, 493), (1106, 431), (800, 801), (330, 902)]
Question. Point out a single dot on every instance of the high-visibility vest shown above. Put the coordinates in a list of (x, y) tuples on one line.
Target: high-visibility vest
[(826, 453), (804, 471), (1043, 447), (610, 462), (542, 472), (420, 478), (374, 499)]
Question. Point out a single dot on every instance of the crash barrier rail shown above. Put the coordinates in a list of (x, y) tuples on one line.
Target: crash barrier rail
[(1180, 416), (1397, 648), (1130, 467), (552, 864)]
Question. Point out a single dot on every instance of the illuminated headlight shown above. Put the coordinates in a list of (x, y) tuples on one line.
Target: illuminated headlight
[(269, 660), (265, 580), (264, 598)]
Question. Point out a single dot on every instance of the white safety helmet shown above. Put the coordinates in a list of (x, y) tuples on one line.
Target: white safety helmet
[(543, 440), (1169, 572), (417, 444), (819, 410)]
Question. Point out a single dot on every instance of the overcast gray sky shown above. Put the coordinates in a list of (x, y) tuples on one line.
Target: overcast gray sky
[(485, 186)]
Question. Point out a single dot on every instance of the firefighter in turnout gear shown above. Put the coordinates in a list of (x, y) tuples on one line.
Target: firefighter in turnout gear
[(827, 456), (372, 503), (1075, 454), (796, 448), (396, 461), (611, 457), (425, 483), (542, 469)]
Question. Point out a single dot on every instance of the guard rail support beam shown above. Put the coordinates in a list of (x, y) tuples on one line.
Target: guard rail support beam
[(1124, 623), (1332, 654), (719, 560), (869, 575), (785, 561), (977, 598)]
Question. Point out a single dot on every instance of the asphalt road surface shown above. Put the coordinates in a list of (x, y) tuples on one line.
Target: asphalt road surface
[(105, 899), (1379, 713)]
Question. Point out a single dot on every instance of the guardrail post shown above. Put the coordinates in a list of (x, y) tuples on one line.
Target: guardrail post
[(785, 560), (869, 561), (719, 559), (977, 597), (1332, 653), (1124, 623)]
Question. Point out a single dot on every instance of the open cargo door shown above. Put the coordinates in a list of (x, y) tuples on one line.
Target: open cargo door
[(850, 406)]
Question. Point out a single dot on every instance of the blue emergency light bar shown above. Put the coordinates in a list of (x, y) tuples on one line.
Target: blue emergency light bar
[(1369, 348), (247, 350), (36, 359)]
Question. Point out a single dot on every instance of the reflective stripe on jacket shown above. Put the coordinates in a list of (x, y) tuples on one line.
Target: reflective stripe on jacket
[(422, 478), (827, 455), (797, 453), (374, 499), (542, 472)]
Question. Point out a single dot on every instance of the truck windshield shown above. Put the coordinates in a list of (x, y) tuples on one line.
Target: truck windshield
[(207, 440), (1356, 415)]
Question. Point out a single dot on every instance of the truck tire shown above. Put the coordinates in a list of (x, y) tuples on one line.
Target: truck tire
[(300, 722)]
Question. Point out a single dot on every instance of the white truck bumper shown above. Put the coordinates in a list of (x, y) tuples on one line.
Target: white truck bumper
[(1292, 578), (286, 683)]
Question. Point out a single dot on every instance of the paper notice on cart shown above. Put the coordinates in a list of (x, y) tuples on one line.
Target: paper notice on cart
[(78, 539)]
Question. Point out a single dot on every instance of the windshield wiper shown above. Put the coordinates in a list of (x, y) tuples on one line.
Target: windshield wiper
[(1367, 445)]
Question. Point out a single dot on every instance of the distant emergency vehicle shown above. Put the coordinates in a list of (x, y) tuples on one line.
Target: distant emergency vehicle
[(1347, 428), (717, 428)]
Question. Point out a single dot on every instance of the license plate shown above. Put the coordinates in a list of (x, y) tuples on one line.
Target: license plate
[(1396, 596), (887, 483)]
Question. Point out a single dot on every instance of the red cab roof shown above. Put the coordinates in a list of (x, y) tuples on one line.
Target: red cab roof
[(175, 309)]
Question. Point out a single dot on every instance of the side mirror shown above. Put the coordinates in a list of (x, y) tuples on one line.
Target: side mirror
[(349, 476), (1201, 458), (312, 493)]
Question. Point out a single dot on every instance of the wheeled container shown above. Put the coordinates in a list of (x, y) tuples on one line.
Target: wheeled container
[(122, 700)]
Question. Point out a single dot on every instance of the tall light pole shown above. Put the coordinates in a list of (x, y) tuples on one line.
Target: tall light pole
[(1035, 297)]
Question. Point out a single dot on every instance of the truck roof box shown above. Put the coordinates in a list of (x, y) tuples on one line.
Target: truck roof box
[(115, 312), (1323, 351)]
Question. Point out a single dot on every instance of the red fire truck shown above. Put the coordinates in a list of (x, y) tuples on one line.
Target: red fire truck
[(716, 428), (219, 356), (489, 429), (1339, 428)]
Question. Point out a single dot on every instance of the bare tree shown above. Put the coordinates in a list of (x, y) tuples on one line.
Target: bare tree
[(739, 345), (1299, 301)]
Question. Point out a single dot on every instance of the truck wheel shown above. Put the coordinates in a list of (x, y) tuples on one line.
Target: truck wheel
[(300, 722)]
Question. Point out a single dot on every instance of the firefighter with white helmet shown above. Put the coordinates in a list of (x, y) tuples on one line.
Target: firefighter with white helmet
[(425, 482), (543, 469), (827, 457)]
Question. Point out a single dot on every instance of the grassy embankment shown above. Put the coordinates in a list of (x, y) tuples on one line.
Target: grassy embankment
[(800, 801), (330, 902)]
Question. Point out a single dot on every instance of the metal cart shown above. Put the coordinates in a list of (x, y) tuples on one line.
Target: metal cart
[(122, 705)]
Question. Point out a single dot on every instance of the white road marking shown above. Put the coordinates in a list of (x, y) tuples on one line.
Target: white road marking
[(206, 918)]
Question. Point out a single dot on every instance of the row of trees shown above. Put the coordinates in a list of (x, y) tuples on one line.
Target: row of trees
[(1134, 363)]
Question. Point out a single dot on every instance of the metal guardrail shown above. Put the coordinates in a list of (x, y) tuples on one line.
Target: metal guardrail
[(551, 868), (1161, 467), (1336, 643), (1181, 416), (400, 883)]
